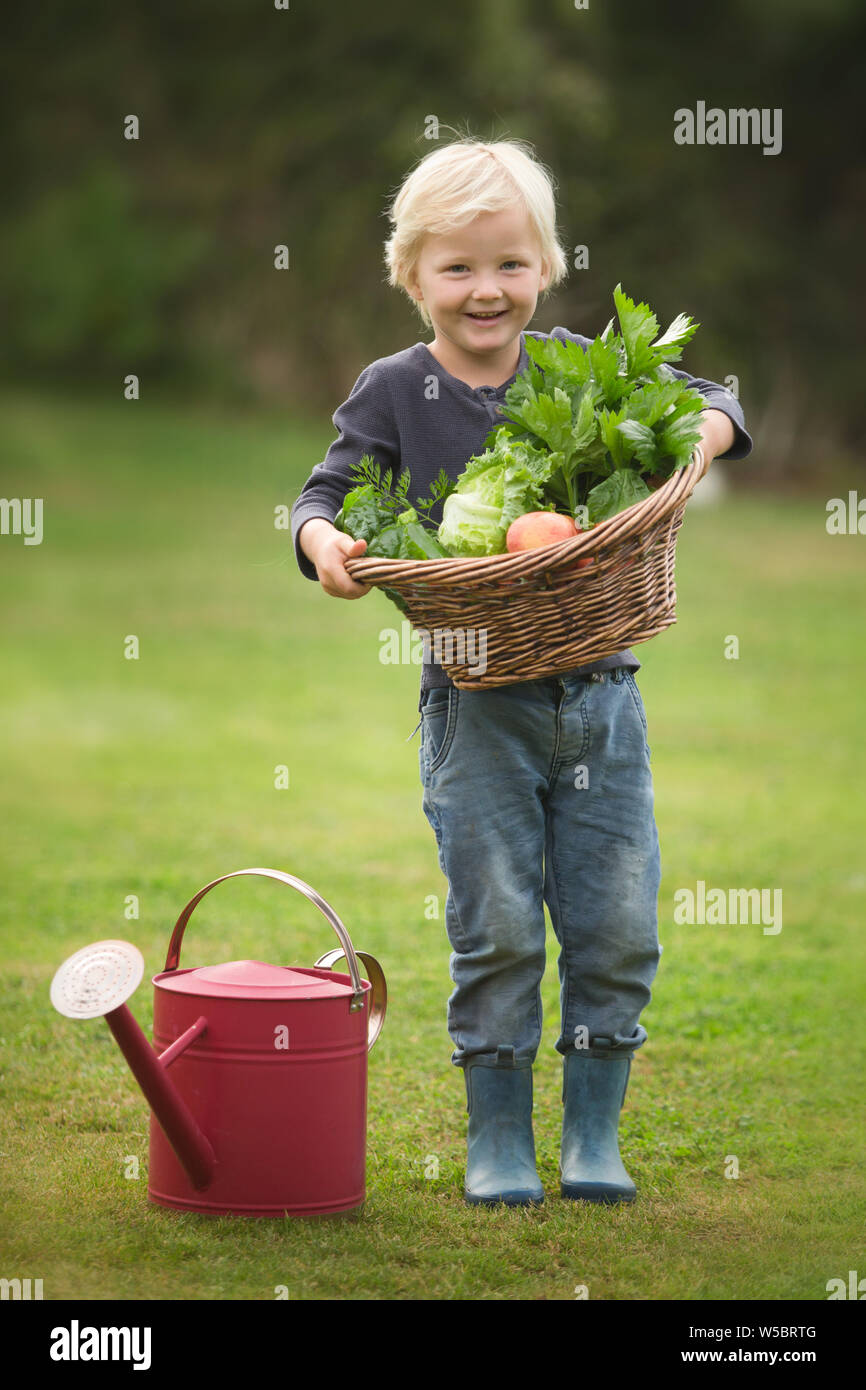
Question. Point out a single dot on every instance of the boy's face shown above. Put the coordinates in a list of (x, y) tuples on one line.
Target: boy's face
[(492, 265)]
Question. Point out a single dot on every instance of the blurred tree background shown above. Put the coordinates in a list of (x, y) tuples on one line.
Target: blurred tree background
[(261, 126)]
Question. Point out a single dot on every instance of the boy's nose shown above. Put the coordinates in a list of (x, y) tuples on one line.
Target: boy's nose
[(487, 295), (486, 289)]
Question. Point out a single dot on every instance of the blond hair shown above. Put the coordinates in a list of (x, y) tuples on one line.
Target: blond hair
[(452, 185)]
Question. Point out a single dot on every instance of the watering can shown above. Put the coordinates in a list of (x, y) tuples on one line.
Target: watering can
[(258, 1086)]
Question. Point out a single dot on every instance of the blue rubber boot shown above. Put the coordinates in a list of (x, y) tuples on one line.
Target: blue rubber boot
[(500, 1146), (593, 1090)]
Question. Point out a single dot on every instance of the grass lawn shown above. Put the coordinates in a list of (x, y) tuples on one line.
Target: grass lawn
[(150, 777)]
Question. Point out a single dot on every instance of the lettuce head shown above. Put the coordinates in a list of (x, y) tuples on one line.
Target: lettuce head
[(494, 489)]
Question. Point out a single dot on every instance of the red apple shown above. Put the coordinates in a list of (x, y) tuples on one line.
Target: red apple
[(539, 528), (534, 529)]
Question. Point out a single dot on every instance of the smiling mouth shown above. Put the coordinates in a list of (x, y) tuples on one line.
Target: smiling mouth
[(497, 314)]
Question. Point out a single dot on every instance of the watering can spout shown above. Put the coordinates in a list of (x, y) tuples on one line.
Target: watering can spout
[(191, 1146), (98, 980)]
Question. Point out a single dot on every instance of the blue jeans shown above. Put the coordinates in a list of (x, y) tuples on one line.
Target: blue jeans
[(542, 792)]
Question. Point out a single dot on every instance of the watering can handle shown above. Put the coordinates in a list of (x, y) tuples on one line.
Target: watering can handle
[(377, 1009), (379, 994)]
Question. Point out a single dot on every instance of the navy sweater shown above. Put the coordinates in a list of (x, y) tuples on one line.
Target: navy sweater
[(409, 412)]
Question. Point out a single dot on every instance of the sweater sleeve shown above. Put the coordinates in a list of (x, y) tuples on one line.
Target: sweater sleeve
[(366, 425), (720, 398)]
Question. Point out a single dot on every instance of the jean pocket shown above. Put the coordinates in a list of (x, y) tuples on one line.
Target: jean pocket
[(636, 697), (438, 723)]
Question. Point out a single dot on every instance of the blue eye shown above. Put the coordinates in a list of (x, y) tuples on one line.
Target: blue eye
[(458, 266)]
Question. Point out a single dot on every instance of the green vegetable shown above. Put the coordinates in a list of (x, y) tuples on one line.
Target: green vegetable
[(362, 515), (494, 489), (377, 513), (614, 408), (622, 489), (586, 429), (406, 539)]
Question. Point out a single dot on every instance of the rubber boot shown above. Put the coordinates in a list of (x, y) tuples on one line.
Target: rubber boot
[(593, 1090), (500, 1146)]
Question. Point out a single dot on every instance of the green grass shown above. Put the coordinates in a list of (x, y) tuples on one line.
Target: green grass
[(151, 777)]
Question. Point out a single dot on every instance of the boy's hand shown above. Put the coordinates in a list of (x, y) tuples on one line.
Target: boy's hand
[(717, 434), (328, 549)]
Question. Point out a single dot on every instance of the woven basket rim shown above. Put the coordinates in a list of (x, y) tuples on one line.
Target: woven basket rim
[(635, 520)]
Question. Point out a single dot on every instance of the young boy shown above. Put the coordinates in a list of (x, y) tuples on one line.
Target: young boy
[(474, 244)]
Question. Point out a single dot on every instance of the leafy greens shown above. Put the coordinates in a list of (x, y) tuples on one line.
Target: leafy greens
[(586, 430), (614, 409), (381, 515), (495, 488)]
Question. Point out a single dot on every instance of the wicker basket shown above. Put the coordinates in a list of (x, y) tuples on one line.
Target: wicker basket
[(500, 619)]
